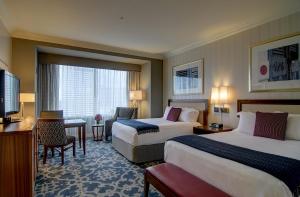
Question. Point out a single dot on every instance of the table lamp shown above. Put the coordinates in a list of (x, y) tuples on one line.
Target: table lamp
[(26, 98), (135, 96)]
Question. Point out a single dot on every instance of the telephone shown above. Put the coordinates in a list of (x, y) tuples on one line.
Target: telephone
[(216, 125)]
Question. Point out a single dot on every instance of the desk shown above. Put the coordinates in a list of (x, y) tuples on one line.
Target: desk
[(80, 124)]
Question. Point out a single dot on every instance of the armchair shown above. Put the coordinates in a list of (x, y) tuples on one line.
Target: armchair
[(122, 113)]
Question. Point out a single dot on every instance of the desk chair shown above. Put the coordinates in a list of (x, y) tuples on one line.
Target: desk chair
[(53, 135), (52, 114)]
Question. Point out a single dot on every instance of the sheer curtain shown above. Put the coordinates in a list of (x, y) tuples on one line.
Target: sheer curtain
[(88, 91), (84, 92)]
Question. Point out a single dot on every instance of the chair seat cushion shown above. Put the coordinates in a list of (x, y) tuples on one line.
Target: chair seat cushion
[(181, 182)]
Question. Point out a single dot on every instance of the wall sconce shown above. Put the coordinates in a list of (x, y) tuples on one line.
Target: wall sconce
[(220, 97)]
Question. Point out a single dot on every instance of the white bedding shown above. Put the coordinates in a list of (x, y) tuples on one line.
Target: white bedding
[(234, 178), (167, 130)]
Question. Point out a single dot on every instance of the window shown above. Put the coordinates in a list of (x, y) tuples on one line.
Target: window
[(84, 92)]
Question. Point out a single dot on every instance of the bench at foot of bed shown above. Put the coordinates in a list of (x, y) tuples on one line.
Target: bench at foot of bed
[(171, 180)]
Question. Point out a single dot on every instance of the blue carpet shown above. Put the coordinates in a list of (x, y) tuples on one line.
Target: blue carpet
[(101, 173)]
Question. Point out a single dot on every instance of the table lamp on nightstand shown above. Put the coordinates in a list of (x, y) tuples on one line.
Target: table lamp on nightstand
[(26, 98)]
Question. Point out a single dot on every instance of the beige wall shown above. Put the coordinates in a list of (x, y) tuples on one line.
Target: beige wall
[(24, 61), (226, 63), (5, 48)]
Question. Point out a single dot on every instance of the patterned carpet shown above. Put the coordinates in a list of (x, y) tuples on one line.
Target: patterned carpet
[(102, 173)]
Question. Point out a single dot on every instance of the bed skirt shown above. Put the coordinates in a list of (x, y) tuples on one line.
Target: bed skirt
[(139, 154)]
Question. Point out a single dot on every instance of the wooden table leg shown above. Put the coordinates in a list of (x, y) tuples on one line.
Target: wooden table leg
[(79, 136), (102, 133), (93, 130), (83, 138)]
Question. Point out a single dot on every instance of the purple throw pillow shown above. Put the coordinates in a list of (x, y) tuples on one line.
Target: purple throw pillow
[(174, 114), (270, 125)]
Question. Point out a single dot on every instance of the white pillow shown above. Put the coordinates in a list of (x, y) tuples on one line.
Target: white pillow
[(293, 127), (167, 110), (188, 115), (246, 123)]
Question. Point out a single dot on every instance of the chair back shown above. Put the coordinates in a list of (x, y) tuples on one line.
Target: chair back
[(52, 132), (55, 114), (126, 112)]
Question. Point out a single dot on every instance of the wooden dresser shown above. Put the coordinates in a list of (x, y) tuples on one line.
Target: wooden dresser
[(18, 159)]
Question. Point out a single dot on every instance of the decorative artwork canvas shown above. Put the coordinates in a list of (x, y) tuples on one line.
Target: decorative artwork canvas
[(188, 78), (276, 65)]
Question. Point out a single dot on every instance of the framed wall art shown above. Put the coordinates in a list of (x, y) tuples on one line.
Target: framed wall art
[(188, 78), (275, 65)]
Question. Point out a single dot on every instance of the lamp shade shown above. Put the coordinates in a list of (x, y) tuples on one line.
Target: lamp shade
[(27, 97), (223, 95), (214, 95), (136, 95)]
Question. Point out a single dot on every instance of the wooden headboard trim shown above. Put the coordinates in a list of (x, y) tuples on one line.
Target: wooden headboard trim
[(240, 103), (203, 101)]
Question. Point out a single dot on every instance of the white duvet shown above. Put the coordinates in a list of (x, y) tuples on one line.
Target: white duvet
[(167, 130), (234, 178)]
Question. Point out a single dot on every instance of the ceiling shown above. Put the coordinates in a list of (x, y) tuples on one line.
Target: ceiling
[(151, 26)]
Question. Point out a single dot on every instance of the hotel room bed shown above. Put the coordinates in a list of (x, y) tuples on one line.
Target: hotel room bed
[(236, 178), (150, 146)]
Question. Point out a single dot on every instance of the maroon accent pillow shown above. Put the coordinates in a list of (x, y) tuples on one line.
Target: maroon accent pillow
[(174, 114), (270, 125)]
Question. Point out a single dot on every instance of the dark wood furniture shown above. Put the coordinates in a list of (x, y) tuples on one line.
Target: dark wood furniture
[(209, 130), (240, 103), (18, 159), (194, 103), (172, 181), (52, 135), (95, 129), (80, 125)]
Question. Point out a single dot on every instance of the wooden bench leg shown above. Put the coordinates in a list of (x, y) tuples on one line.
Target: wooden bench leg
[(146, 185)]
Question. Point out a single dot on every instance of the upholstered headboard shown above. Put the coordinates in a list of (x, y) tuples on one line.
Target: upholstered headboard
[(269, 105), (198, 104)]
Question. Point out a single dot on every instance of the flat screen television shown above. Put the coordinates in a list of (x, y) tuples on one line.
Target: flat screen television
[(9, 94)]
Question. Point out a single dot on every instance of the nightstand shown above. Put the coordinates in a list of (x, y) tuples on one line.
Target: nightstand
[(209, 130)]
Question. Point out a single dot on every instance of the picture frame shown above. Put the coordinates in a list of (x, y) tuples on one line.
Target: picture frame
[(188, 78), (275, 65)]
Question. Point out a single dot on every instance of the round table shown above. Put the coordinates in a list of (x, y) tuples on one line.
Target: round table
[(95, 128)]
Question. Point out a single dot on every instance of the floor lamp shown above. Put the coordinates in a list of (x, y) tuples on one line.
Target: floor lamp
[(135, 96)]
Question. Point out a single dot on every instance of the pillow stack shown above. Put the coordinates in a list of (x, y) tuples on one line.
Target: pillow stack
[(279, 126), (181, 114)]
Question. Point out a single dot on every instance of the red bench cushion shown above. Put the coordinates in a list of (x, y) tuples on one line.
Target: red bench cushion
[(182, 182)]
